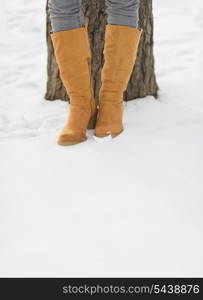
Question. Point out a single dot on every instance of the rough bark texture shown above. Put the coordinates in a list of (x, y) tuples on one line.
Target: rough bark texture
[(142, 81)]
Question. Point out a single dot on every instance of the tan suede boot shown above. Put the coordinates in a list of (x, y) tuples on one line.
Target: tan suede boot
[(73, 56), (120, 52)]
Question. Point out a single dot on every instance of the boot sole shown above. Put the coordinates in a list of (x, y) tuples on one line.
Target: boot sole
[(112, 135), (70, 143)]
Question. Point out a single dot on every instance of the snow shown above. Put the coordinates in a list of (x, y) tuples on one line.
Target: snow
[(129, 207)]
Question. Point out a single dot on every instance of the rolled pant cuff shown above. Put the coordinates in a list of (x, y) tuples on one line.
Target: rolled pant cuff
[(124, 21), (60, 24)]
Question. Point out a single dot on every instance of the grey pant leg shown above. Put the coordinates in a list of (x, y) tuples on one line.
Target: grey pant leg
[(123, 12), (66, 14)]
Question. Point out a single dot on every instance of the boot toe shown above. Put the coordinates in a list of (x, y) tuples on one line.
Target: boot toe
[(104, 131), (68, 139)]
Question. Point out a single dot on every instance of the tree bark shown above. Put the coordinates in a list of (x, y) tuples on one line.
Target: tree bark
[(143, 80)]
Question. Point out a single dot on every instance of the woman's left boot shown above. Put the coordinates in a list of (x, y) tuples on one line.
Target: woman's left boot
[(73, 55), (120, 52)]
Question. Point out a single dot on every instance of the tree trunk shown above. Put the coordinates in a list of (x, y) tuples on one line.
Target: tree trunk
[(142, 82)]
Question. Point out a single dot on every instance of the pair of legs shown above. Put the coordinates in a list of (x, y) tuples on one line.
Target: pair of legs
[(73, 55), (68, 14)]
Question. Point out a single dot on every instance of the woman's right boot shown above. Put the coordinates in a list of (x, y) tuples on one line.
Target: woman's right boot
[(73, 56)]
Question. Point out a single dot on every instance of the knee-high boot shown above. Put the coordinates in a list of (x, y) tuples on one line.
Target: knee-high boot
[(73, 56), (120, 52)]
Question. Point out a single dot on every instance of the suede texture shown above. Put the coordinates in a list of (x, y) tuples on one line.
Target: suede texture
[(120, 52), (73, 56)]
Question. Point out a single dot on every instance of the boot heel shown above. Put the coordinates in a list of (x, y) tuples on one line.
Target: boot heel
[(92, 121)]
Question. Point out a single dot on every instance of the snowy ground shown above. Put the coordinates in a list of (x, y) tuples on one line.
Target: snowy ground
[(130, 207)]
